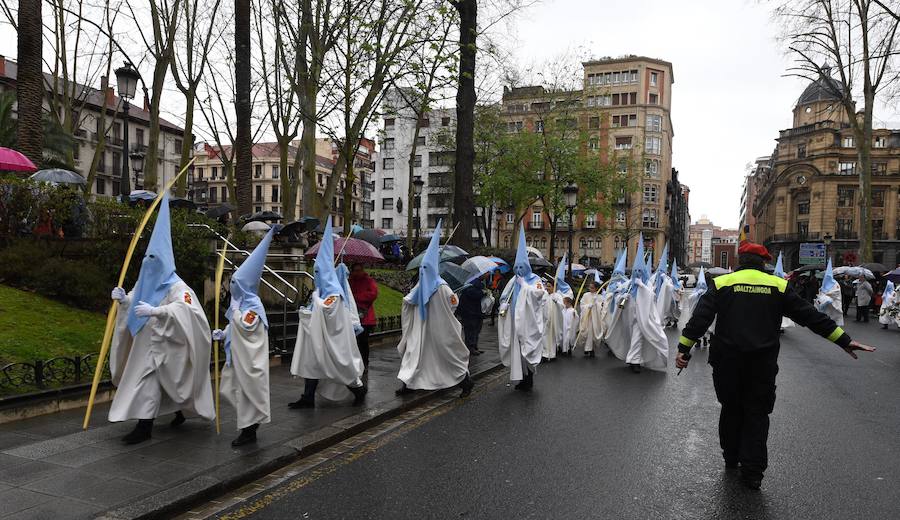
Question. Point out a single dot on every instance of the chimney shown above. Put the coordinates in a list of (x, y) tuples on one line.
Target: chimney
[(146, 102), (110, 93), (2, 65)]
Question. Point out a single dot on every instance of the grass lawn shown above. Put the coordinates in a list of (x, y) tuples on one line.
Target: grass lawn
[(33, 327), (389, 302)]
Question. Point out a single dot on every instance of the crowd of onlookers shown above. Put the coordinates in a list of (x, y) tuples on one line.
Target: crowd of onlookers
[(866, 294)]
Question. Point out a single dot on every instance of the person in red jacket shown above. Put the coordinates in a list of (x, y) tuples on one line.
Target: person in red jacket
[(365, 292)]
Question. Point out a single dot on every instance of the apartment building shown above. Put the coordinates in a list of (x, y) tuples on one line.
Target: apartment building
[(91, 102), (706, 241), (364, 172), (625, 106), (810, 191)]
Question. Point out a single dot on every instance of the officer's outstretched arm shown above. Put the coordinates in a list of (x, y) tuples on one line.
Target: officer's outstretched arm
[(800, 311)]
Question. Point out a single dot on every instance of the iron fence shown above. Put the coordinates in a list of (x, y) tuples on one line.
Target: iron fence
[(41, 374)]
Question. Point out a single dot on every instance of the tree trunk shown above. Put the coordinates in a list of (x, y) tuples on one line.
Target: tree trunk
[(30, 81), (187, 142), (309, 195), (463, 194), (348, 190), (242, 108), (288, 210), (864, 154), (554, 222)]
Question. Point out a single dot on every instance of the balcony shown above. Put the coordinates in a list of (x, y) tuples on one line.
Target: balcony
[(846, 235), (879, 235), (535, 226)]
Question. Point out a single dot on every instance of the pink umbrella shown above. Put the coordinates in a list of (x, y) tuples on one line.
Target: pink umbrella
[(355, 251), (13, 161)]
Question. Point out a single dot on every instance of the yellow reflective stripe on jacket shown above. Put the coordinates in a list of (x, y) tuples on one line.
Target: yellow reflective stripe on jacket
[(837, 333), (687, 342), (750, 277)]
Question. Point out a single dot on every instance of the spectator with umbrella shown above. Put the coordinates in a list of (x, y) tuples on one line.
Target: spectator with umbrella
[(365, 292), (469, 312), (864, 294)]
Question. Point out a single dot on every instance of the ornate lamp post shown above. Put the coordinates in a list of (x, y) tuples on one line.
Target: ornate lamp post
[(827, 239), (418, 183), (126, 79), (570, 194)]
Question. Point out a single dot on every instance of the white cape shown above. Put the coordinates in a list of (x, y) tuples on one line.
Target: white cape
[(433, 353), (554, 329), (165, 368), (830, 303), (521, 330), (245, 384), (570, 329), (636, 334), (665, 300), (326, 346), (889, 306), (590, 322)]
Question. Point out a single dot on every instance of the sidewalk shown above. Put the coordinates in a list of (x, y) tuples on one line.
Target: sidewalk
[(50, 468)]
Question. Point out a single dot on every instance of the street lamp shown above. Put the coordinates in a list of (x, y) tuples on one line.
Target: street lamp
[(827, 239), (126, 79), (570, 194), (137, 165), (418, 183)]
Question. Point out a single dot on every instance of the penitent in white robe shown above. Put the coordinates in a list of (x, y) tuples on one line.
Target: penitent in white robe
[(326, 347), (553, 325), (165, 368), (830, 303), (590, 326), (665, 301), (636, 334), (889, 305), (433, 353), (521, 330), (245, 384), (570, 329)]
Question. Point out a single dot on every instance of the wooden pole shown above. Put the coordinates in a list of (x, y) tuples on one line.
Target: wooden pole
[(113, 309), (220, 268)]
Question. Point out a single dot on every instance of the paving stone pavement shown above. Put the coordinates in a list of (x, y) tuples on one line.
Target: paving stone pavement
[(51, 468)]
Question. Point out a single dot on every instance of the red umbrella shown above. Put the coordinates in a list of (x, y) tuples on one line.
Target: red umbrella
[(13, 161), (355, 251)]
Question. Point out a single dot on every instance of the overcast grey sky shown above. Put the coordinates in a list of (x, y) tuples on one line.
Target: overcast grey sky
[(729, 98)]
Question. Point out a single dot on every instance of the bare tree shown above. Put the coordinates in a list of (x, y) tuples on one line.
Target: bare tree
[(30, 80), (858, 42)]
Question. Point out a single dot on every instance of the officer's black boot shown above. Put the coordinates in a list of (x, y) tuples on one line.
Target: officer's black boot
[(178, 420), (247, 436), (308, 399), (141, 432), (466, 385)]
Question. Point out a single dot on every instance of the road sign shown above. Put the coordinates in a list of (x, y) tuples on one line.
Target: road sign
[(812, 253)]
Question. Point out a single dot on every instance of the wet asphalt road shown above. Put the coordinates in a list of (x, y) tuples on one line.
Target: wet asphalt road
[(594, 440)]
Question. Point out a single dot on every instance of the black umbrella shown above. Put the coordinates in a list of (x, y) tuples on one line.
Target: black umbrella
[(220, 211), (875, 267), (390, 238), (180, 203), (264, 216), (805, 268), (539, 263), (371, 236), (453, 274), (698, 265)]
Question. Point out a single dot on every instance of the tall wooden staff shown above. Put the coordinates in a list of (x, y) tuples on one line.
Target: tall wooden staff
[(220, 268), (111, 315)]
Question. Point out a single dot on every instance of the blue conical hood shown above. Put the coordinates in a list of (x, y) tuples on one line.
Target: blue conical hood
[(674, 275), (324, 274), (157, 268), (639, 268), (701, 280), (779, 266), (620, 262), (521, 266), (828, 282), (888, 291), (429, 273), (561, 284), (245, 281), (663, 265)]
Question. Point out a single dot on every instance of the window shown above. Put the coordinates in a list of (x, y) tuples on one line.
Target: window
[(224, 193), (594, 144), (388, 184), (199, 174), (420, 141), (623, 143), (445, 121), (594, 123), (388, 163), (651, 193), (115, 190), (274, 193), (654, 123), (388, 145), (387, 203), (803, 228), (387, 223), (321, 180), (624, 120), (622, 167), (117, 163), (537, 219), (654, 79), (878, 230), (258, 193), (101, 165), (76, 151), (509, 217), (417, 161), (617, 99), (652, 145), (441, 158), (877, 168), (879, 142), (424, 123), (215, 173), (139, 136), (801, 151), (389, 122), (846, 168), (847, 141), (846, 196), (803, 207), (514, 126), (620, 218), (538, 126), (275, 173), (276, 209), (257, 209), (844, 228), (257, 171), (212, 195), (877, 197), (650, 218), (651, 168), (101, 186), (590, 221), (723, 260), (178, 144), (653, 99), (615, 78)]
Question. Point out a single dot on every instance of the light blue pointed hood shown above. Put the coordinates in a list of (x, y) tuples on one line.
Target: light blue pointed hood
[(639, 268), (562, 285), (429, 274), (779, 266), (521, 267), (157, 268), (244, 283), (701, 281), (662, 269), (674, 275), (888, 291), (324, 274), (828, 282), (619, 268)]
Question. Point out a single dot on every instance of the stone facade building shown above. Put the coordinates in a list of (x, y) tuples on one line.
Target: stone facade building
[(811, 191), (625, 107)]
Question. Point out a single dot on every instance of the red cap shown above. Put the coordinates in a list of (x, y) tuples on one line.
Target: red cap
[(754, 249)]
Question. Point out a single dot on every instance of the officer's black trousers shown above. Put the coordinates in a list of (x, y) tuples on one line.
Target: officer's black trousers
[(471, 331), (745, 386)]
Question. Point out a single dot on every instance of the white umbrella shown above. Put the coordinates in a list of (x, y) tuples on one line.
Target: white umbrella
[(478, 266), (853, 271), (717, 271), (256, 226), (578, 267), (533, 251)]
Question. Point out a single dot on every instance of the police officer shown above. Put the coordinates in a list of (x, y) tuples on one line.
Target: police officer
[(748, 305)]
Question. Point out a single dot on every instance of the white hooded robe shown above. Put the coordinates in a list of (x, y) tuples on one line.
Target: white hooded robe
[(245, 383), (521, 329)]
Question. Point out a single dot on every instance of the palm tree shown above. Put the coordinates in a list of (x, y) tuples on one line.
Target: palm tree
[(242, 109), (30, 81), (57, 142)]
